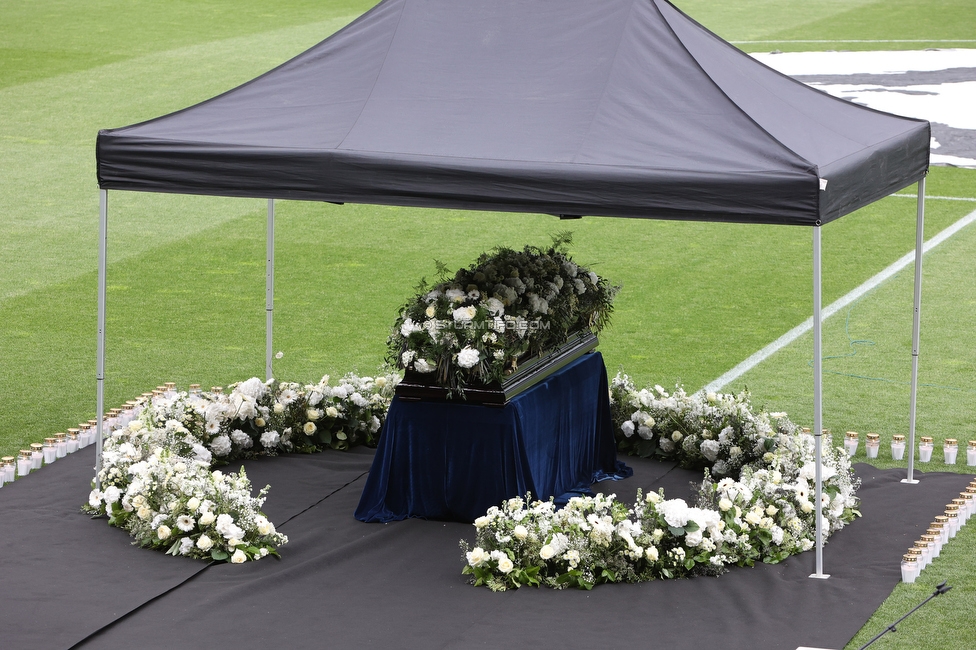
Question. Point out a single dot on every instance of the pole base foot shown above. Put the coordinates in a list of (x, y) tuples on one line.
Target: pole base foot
[(820, 576), (910, 481)]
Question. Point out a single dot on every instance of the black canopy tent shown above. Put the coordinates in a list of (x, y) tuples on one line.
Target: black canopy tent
[(624, 108)]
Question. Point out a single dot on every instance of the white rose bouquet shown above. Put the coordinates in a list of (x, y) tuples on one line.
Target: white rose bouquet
[(475, 326)]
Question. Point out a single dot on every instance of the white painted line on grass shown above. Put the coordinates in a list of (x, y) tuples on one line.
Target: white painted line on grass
[(856, 40), (938, 198), (836, 306)]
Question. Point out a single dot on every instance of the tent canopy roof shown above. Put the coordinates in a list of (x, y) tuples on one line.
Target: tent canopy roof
[(578, 107)]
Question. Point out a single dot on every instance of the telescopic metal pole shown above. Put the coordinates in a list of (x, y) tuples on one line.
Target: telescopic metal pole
[(916, 323), (269, 295), (100, 363), (818, 400)]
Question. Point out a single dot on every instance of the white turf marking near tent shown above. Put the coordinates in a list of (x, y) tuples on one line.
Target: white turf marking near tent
[(836, 306)]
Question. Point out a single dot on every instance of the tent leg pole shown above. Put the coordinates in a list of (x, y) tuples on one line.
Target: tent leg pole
[(916, 325), (269, 296), (818, 400), (100, 363)]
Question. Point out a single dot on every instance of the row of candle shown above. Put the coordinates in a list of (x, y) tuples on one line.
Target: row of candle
[(62, 444), (940, 531), (950, 447)]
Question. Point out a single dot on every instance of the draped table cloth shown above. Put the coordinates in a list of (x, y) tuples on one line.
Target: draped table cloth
[(452, 461)]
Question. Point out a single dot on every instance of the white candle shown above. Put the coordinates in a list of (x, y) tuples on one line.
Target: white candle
[(872, 445), (50, 451), (925, 448), (62, 444), (8, 468), (24, 462), (897, 447), (37, 455), (909, 568), (850, 443), (949, 450), (971, 453)]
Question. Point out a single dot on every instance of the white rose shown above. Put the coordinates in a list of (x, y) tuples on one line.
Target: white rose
[(468, 357), (477, 556), (505, 565), (163, 532), (332, 412), (313, 414), (431, 311), (112, 494), (422, 366), (521, 532), (651, 553), (204, 543), (309, 428), (239, 557), (465, 314), (546, 552), (724, 505), (279, 408), (481, 522), (207, 518)]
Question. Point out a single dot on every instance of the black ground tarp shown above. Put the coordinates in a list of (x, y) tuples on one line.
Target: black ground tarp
[(578, 107), (69, 581)]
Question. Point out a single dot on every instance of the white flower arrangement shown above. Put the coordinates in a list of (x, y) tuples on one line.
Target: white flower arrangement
[(476, 325), (761, 510), (158, 474)]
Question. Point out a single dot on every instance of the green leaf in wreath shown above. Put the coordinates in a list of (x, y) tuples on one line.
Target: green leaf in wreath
[(676, 531), (218, 555)]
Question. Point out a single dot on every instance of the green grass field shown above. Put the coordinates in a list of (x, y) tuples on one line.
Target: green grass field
[(186, 274)]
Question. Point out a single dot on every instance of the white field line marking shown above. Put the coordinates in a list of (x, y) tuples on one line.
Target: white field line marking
[(856, 40), (937, 198), (833, 308)]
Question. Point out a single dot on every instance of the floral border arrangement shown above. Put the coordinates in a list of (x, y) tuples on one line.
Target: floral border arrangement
[(476, 326), (761, 509), (158, 474)]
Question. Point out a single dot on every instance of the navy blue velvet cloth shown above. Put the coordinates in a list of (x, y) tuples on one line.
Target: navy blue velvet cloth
[(452, 460)]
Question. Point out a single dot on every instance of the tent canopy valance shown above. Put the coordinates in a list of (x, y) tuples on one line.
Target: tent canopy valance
[(579, 107)]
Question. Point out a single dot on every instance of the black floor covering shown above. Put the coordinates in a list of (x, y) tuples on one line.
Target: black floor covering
[(68, 581)]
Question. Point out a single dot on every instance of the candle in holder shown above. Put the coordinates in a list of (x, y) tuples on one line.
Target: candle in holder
[(25, 462), (971, 453), (925, 448), (897, 446), (37, 455), (872, 444), (72, 441), (949, 449), (909, 568), (919, 557), (50, 450), (935, 530), (953, 516), (216, 390), (62, 444), (83, 435), (850, 443), (962, 507), (7, 469), (925, 553), (170, 389), (934, 546)]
